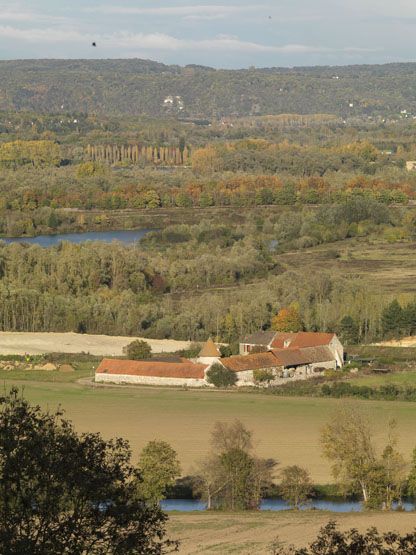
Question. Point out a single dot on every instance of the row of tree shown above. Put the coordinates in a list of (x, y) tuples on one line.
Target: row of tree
[(138, 153)]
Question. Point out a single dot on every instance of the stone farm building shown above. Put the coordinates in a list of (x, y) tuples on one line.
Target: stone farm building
[(286, 357), (152, 372), (272, 340)]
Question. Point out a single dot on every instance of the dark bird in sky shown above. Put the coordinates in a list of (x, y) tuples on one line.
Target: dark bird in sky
[(270, 16), (94, 44)]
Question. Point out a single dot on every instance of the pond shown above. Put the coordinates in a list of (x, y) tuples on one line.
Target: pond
[(126, 237), (190, 505)]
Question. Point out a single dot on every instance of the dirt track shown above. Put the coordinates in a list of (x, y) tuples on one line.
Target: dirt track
[(19, 343), (403, 342)]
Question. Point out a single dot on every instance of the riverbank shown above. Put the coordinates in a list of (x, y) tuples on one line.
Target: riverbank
[(253, 532), (334, 506)]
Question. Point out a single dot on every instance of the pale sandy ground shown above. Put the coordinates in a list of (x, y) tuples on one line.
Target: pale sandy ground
[(19, 343), (253, 533), (403, 342)]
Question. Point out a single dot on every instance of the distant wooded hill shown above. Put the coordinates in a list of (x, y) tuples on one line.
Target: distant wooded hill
[(150, 88)]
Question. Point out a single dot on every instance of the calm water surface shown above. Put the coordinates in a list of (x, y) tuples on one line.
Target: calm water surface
[(126, 237), (274, 505)]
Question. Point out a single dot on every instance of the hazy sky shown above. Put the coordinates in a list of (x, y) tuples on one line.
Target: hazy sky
[(226, 33)]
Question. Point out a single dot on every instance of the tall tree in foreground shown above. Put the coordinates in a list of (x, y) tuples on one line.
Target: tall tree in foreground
[(65, 493)]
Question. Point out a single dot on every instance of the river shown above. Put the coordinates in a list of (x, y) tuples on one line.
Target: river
[(191, 505), (126, 237)]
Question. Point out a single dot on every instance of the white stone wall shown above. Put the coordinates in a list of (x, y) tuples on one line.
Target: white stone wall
[(245, 378), (149, 380), (206, 360)]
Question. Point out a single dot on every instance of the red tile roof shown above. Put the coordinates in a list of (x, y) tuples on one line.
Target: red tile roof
[(307, 355), (242, 363), (185, 369), (302, 339)]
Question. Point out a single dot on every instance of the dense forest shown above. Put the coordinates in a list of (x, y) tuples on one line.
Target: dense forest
[(145, 87), (216, 277)]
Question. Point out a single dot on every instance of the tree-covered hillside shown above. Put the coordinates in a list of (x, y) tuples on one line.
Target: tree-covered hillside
[(146, 87)]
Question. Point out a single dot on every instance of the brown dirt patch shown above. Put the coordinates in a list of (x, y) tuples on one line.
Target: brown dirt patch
[(252, 533)]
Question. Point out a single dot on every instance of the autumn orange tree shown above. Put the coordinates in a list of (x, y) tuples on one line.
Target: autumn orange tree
[(288, 319)]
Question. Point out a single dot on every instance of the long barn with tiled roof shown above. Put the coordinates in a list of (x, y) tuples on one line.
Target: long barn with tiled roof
[(149, 372)]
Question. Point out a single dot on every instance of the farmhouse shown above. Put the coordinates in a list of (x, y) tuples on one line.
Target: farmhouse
[(151, 372), (286, 357), (282, 365), (271, 341), (245, 366)]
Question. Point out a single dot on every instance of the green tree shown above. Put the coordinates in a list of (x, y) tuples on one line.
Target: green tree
[(347, 443), (392, 319), (221, 377), (349, 330), (53, 220), (295, 486), (61, 492), (412, 475), (138, 350), (159, 468), (232, 477)]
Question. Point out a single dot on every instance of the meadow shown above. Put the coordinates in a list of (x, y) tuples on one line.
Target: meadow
[(388, 267), (286, 429)]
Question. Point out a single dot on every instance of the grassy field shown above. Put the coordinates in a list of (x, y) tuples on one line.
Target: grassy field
[(285, 428), (253, 533), (388, 267), (81, 370), (396, 378)]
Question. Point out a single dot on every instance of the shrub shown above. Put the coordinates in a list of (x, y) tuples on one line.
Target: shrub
[(138, 350), (332, 540), (263, 376), (221, 377)]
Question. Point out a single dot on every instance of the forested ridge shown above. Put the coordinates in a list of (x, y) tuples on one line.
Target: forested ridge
[(141, 86)]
